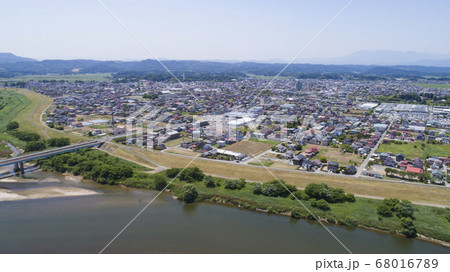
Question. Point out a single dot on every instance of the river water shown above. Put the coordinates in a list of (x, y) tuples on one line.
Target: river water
[(86, 224)]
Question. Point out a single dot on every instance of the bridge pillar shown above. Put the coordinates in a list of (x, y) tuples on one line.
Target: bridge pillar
[(22, 169), (16, 167)]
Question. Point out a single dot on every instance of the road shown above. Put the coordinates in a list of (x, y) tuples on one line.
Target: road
[(48, 153), (372, 151)]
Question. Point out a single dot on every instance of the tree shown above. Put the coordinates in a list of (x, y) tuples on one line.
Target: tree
[(191, 174), (35, 146), (408, 227), (160, 182), (188, 193), (209, 181), (58, 142), (405, 209), (12, 126)]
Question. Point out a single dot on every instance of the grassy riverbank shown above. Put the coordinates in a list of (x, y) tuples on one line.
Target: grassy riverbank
[(429, 221)]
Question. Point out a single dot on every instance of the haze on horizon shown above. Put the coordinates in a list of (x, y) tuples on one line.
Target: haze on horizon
[(221, 30)]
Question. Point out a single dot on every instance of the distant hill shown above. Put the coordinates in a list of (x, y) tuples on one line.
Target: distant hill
[(387, 57), (11, 58)]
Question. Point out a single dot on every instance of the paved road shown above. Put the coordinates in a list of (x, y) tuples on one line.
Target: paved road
[(47, 153), (372, 151)]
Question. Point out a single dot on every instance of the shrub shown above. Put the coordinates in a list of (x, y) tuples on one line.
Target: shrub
[(384, 210), (35, 146), (320, 204), (299, 194), (276, 188), (408, 228), (191, 174), (26, 135), (172, 172), (209, 181), (62, 141), (295, 213), (257, 187), (322, 191), (12, 126), (234, 184), (350, 198), (160, 182), (188, 193)]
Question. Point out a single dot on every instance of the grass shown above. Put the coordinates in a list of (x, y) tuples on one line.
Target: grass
[(429, 221), (410, 152), (266, 163), (5, 151), (361, 186), (334, 154), (263, 141), (127, 155), (174, 142), (434, 85), (29, 117), (70, 78), (249, 147)]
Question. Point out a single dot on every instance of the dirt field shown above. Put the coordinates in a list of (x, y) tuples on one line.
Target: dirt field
[(248, 147)]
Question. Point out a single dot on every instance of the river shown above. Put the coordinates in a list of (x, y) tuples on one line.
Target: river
[(85, 224)]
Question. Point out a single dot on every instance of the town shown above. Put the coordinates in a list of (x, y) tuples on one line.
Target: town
[(383, 129)]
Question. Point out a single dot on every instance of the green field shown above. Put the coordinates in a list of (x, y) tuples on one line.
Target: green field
[(13, 103), (418, 151), (434, 85), (70, 78), (26, 107)]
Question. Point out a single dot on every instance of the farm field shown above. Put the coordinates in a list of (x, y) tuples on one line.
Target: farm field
[(418, 151), (434, 85), (361, 186), (249, 147), (70, 78)]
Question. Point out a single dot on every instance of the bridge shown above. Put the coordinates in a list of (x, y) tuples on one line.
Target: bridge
[(19, 160)]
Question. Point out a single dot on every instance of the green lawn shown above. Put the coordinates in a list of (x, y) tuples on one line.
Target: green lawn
[(412, 152), (13, 103)]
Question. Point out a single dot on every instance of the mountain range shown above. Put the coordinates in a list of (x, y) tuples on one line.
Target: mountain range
[(380, 63)]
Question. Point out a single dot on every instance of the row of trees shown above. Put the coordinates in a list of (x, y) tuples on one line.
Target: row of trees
[(91, 164), (423, 177)]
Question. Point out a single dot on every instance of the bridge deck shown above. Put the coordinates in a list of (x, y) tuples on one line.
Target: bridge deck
[(48, 153)]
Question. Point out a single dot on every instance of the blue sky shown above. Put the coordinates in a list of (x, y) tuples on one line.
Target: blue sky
[(221, 30)]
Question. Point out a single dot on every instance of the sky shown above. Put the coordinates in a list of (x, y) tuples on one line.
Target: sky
[(220, 30)]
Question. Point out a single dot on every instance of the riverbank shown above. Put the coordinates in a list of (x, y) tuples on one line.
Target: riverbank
[(430, 222), (41, 193), (12, 189)]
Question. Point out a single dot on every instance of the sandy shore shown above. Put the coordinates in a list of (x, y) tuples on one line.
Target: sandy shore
[(46, 192)]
